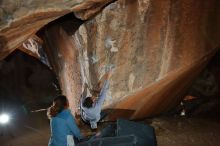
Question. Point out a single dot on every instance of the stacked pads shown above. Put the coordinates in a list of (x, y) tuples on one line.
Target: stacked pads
[(124, 133)]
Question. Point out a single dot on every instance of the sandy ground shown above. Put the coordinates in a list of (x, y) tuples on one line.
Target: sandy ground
[(33, 131), (187, 131), (170, 131)]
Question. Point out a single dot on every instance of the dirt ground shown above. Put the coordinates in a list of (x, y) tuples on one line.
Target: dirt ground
[(170, 131), (187, 131)]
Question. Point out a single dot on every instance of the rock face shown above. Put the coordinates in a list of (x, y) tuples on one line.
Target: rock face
[(63, 57), (20, 19), (155, 48)]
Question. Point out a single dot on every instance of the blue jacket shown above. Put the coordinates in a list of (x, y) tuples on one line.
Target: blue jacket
[(62, 125)]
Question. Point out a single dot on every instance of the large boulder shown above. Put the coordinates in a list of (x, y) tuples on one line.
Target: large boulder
[(20, 19), (156, 48)]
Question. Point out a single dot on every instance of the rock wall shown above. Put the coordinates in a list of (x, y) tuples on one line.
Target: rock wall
[(155, 48), (63, 56), (21, 19)]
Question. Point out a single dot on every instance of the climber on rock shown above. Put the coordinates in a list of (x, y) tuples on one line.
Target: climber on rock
[(90, 107)]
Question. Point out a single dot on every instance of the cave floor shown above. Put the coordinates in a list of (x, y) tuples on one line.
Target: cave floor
[(181, 131), (170, 131)]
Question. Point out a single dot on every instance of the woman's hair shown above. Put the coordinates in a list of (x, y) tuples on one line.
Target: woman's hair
[(88, 102), (59, 104)]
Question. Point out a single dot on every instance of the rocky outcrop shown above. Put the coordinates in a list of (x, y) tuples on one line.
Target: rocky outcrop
[(20, 19), (156, 48), (64, 59)]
